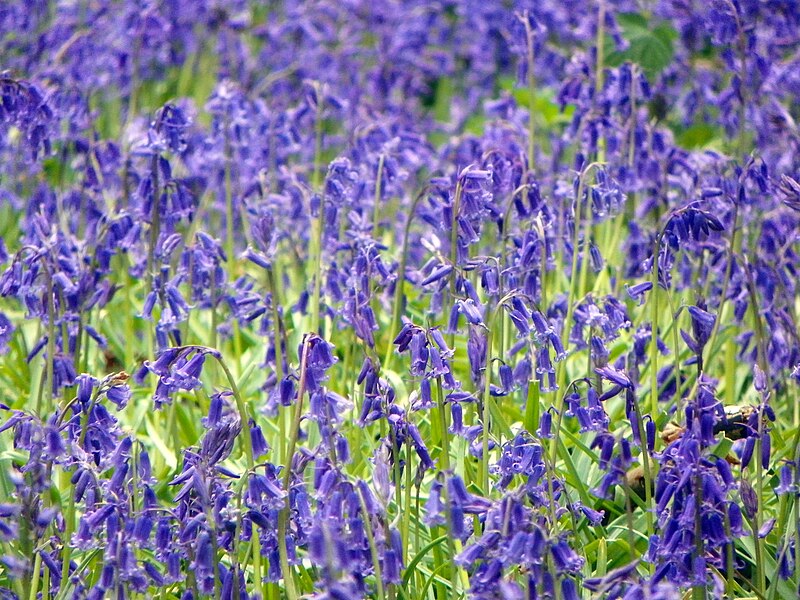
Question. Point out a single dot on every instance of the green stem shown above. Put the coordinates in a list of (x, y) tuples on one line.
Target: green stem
[(417, 532), (531, 94), (487, 399), (629, 521), (69, 526), (698, 589), (37, 566), (155, 222), (376, 209), (796, 529), (600, 43), (51, 342), (318, 226), (543, 263), (654, 318), (561, 377), (406, 515), (283, 515), (796, 535), (376, 562), (456, 573), (215, 549), (244, 417), (573, 281), (229, 209), (728, 556), (454, 253), (760, 583), (599, 68), (130, 311), (732, 250), (763, 363), (441, 423), (397, 476), (675, 353), (230, 241), (784, 514), (134, 83), (487, 380), (742, 49), (632, 127), (399, 286), (587, 242), (648, 474), (278, 342), (214, 315)]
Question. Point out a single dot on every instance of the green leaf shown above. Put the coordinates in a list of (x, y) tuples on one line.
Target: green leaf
[(435, 576), (475, 125), (651, 47), (13, 455), (419, 556), (722, 448), (697, 136), (545, 105), (154, 436), (632, 21), (444, 98)]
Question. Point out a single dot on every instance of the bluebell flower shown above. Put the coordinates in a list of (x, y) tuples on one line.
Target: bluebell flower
[(702, 326), (26, 107), (178, 369), (789, 480)]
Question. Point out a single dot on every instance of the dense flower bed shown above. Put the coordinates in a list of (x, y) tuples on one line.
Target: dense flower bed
[(402, 300)]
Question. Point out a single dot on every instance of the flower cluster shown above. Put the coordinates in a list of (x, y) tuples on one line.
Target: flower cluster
[(420, 300)]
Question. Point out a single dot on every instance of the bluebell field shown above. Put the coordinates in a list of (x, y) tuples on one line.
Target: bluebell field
[(401, 300)]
